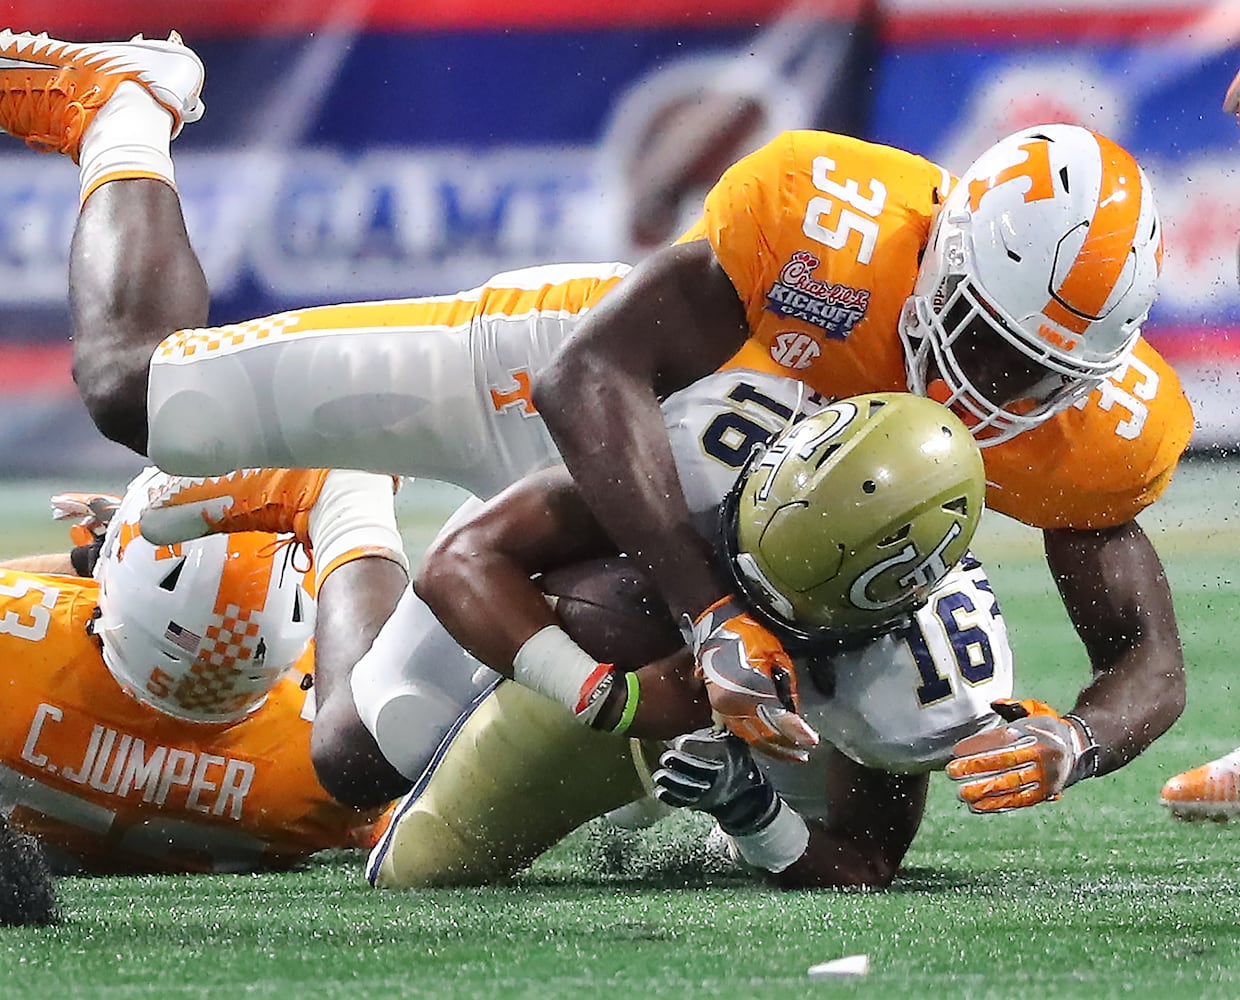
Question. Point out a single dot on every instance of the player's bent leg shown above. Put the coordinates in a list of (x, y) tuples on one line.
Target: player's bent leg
[(133, 278), (384, 716), (863, 830), (1209, 791), (114, 108), (377, 385), (516, 776)]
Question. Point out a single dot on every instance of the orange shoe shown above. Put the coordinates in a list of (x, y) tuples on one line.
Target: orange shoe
[(273, 500), (51, 90), (1211, 791)]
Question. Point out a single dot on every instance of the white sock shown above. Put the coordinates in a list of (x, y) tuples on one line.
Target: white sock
[(129, 137), (354, 517)]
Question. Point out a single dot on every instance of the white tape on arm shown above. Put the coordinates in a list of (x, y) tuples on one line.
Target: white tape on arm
[(778, 844), (550, 663)]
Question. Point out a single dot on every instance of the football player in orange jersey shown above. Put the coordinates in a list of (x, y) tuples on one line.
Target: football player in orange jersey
[(159, 713), (1015, 296)]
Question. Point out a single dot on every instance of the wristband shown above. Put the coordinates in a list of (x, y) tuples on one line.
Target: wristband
[(632, 694), (1086, 765)]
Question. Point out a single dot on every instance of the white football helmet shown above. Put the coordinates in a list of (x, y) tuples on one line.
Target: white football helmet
[(201, 630), (1051, 241)]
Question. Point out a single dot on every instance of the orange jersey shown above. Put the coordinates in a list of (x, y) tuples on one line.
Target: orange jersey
[(116, 786), (822, 236)]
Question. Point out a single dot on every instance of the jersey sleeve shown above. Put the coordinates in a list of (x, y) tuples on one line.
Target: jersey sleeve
[(738, 212), (1100, 464)]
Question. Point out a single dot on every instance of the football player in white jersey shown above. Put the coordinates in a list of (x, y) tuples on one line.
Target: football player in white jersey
[(890, 688)]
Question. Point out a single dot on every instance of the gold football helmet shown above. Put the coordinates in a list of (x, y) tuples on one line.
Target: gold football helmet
[(846, 522)]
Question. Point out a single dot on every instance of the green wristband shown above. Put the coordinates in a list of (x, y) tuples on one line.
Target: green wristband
[(632, 694)]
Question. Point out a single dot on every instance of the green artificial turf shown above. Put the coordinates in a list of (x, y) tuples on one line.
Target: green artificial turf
[(1098, 895)]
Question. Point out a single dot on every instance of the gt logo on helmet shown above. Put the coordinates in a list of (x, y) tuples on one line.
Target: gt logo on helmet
[(924, 576)]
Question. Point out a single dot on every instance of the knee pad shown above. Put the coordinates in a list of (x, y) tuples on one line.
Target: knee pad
[(413, 684)]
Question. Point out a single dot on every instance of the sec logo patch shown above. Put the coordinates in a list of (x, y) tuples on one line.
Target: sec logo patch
[(794, 350)]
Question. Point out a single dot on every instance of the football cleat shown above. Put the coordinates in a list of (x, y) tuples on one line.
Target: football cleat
[(1211, 791), (50, 90), (272, 500)]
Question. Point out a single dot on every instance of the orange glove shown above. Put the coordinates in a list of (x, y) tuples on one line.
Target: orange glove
[(750, 681), (1030, 760)]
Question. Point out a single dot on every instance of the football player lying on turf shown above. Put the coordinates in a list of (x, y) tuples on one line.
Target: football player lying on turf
[(158, 713), (841, 536), (1036, 339)]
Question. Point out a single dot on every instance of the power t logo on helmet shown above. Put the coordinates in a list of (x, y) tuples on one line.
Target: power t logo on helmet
[(1050, 242), (201, 630)]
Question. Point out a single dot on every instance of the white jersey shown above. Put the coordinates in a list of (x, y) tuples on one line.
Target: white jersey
[(900, 702)]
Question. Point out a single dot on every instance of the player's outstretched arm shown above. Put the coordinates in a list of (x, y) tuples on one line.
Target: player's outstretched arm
[(1116, 593)]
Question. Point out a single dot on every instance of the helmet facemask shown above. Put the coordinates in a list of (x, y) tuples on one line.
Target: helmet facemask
[(935, 328)]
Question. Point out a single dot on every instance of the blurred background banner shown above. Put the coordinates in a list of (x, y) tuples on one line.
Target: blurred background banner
[(358, 149)]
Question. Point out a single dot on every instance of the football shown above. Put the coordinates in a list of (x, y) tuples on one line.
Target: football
[(612, 612)]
